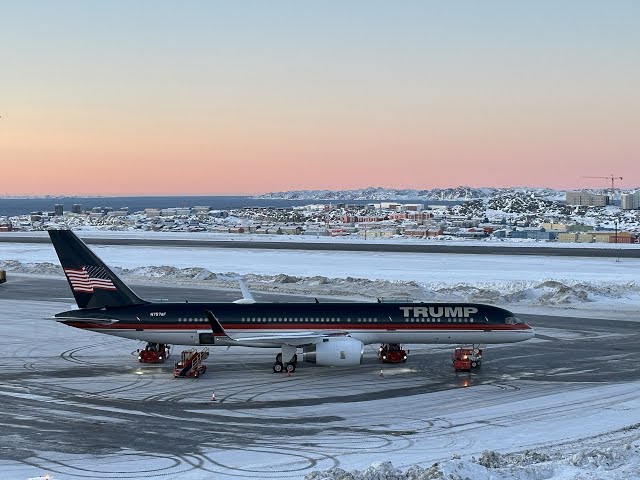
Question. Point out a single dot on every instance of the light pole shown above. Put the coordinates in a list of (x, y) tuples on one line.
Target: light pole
[(615, 222)]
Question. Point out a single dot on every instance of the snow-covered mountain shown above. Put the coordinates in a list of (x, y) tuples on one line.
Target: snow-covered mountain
[(381, 193)]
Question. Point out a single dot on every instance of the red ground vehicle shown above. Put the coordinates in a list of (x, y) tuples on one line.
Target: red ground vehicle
[(466, 358), (154, 353), (190, 364), (392, 353)]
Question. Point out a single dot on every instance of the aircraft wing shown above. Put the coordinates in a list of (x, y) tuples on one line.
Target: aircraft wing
[(297, 339)]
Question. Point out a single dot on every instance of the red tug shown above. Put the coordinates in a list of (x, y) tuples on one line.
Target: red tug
[(392, 353), (154, 353), (466, 358)]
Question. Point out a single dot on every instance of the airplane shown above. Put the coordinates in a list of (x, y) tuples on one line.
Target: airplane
[(328, 333)]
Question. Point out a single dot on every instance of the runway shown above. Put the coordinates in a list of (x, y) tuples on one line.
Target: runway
[(610, 251), (60, 384)]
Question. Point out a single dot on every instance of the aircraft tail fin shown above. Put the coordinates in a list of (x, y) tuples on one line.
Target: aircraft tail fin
[(93, 284)]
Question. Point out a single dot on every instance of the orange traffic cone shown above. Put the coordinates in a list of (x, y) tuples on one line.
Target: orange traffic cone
[(213, 397)]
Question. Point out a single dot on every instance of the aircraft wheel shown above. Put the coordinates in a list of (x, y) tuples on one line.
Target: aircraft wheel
[(474, 364), (294, 360), (277, 367), (291, 367), (279, 358)]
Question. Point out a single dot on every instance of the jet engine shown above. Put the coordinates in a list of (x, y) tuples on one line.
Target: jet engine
[(333, 352)]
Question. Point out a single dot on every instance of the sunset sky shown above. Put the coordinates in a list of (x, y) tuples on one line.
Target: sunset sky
[(242, 97)]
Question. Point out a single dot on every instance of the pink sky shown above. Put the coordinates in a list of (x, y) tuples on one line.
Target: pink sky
[(221, 99)]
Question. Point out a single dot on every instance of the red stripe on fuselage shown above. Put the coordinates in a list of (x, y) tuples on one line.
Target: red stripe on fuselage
[(235, 327)]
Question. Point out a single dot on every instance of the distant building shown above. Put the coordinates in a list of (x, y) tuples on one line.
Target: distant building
[(587, 199), (201, 210), (76, 208), (58, 209), (555, 227), (631, 201), (413, 207), (532, 233), (597, 237)]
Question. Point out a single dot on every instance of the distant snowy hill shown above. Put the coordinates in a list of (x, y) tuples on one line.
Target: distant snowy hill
[(380, 193)]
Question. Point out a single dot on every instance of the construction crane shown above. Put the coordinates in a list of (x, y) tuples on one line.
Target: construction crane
[(613, 179)]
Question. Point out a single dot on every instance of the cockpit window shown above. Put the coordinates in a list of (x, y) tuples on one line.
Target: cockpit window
[(512, 320)]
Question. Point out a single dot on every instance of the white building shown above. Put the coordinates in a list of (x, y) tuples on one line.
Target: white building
[(587, 199), (631, 201)]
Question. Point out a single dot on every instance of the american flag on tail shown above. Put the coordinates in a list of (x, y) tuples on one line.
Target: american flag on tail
[(88, 278)]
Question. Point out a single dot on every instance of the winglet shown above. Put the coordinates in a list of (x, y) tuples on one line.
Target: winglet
[(247, 298), (216, 326)]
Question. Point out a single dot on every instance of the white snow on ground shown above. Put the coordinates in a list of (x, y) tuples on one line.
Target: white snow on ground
[(582, 432)]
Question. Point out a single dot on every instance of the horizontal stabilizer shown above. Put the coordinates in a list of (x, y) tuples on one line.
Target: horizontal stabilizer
[(95, 321)]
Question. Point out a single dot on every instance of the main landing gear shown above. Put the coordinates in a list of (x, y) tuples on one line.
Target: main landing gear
[(289, 367)]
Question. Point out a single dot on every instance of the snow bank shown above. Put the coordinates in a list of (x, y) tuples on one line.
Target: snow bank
[(608, 463), (548, 292)]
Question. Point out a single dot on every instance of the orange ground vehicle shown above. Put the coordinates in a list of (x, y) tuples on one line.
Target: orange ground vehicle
[(466, 358), (392, 353), (154, 353)]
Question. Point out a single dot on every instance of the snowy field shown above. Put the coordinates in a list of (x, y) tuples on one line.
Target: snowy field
[(513, 429)]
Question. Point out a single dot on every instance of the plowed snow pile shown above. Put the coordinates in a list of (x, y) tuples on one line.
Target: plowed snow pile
[(550, 292), (609, 463)]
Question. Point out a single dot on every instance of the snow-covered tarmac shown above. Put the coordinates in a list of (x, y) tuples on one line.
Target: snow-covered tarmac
[(565, 405)]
